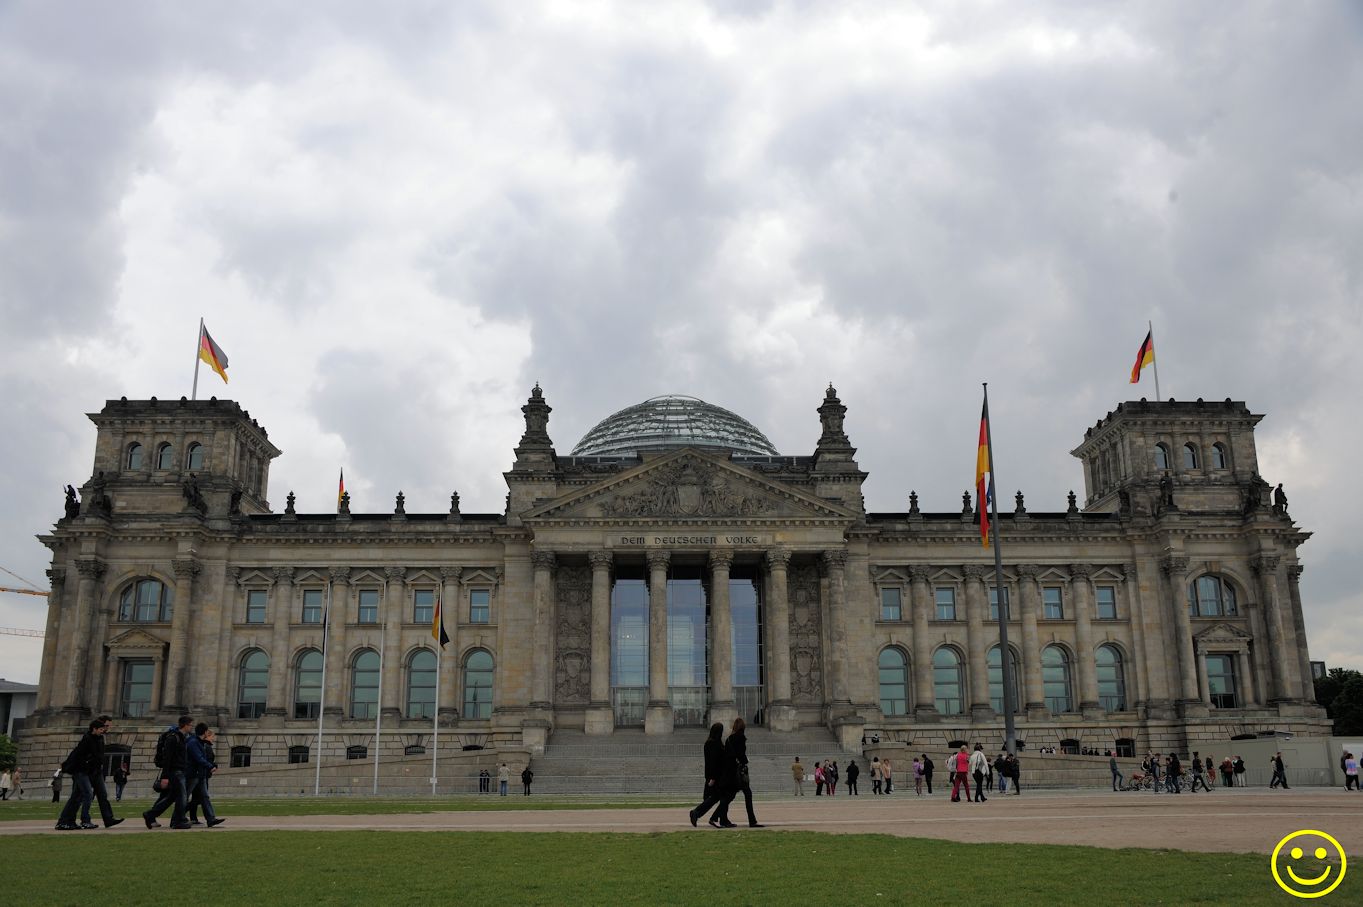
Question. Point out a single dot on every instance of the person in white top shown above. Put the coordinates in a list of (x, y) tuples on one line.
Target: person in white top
[(979, 765)]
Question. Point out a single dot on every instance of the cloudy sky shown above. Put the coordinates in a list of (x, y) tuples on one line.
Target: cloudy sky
[(396, 218)]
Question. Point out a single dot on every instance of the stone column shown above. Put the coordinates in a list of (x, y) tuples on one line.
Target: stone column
[(451, 605), (1176, 570), (780, 709), (1137, 683), (722, 706), (976, 606), (541, 692), (394, 606), (56, 584), (337, 643), (1148, 611), (1282, 657), (1082, 586), (91, 570), (1204, 685), (921, 603), (281, 606), (181, 617), (1308, 687), (99, 632), (1245, 679), (109, 694), (658, 714), (600, 717), (1032, 699), (834, 564)]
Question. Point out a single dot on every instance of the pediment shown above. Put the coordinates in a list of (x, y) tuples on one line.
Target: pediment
[(1222, 633), (688, 484), (136, 640)]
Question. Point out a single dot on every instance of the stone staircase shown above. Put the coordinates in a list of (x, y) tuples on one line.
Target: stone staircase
[(628, 762)]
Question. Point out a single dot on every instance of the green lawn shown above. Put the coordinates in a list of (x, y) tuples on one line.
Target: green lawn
[(690, 867), (132, 806)]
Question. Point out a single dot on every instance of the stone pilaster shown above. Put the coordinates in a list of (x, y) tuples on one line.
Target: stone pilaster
[(181, 618), (834, 565), (91, 571), (56, 584), (722, 707), (1308, 687), (1033, 699), (394, 606), (1081, 585), (338, 643), (451, 605), (1282, 660), (1175, 569), (541, 693), (921, 605), (658, 714), (780, 710), (600, 717), (281, 606), (976, 605)]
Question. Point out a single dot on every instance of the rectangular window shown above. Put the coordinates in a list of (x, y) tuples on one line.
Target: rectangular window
[(480, 610), (423, 606), (1107, 602), (1052, 603), (1221, 681), (255, 606), (240, 757), (369, 606), (298, 754), (890, 604), (946, 603), (312, 606), (137, 684), (994, 603)]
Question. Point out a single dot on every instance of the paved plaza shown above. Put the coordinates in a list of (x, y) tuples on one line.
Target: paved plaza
[(1239, 821)]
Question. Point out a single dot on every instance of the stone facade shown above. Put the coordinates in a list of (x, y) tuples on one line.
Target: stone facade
[(1164, 613)]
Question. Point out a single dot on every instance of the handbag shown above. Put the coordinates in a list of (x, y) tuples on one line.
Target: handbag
[(743, 776)]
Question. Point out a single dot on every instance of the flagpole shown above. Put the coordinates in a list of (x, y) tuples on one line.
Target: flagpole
[(435, 721), (1154, 360), (378, 710), (1005, 606), (322, 694), (194, 391)]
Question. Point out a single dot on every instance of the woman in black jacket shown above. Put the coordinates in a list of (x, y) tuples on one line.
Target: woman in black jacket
[(736, 753), (714, 777)]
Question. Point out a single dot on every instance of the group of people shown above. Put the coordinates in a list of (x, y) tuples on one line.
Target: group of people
[(966, 766), (503, 779), (186, 758), (726, 776), (12, 783), (1167, 773)]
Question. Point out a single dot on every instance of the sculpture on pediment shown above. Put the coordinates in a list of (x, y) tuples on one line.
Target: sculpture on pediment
[(192, 494), (72, 505), (1279, 500), (687, 487)]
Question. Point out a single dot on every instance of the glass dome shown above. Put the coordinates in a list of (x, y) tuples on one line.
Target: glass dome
[(665, 423)]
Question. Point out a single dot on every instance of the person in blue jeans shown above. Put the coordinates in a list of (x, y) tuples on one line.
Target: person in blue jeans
[(85, 765), (1117, 777), (200, 767), (171, 784), (503, 776)]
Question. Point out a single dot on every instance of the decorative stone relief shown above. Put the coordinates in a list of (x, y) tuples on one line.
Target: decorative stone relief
[(688, 487), (572, 663), (806, 636)]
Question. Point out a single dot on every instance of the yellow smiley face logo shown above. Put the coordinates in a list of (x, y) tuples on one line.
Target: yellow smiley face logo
[(1316, 884)]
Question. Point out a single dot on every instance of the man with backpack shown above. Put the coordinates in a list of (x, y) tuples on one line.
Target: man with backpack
[(172, 760)]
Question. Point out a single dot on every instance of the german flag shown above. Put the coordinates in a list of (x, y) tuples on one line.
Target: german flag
[(1145, 356), (211, 353), (984, 492), (438, 624)]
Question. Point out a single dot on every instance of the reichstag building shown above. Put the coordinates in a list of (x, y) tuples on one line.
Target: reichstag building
[(674, 569)]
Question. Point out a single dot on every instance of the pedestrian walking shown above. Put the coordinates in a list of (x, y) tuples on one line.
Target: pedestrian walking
[(876, 780), (917, 777), (818, 779), (736, 753), (1238, 770), (120, 780), (853, 772), (713, 791), (85, 765), (1351, 771), (797, 770), (979, 767), (999, 764), (1279, 773), (1227, 768), (887, 773), (1015, 773), (17, 784), (5, 782), (927, 773), (960, 775), (172, 760), (201, 765), (527, 776), (1117, 777), (1197, 775), (830, 778), (56, 785)]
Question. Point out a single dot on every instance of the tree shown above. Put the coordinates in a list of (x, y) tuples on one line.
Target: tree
[(9, 754), (1341, 692)]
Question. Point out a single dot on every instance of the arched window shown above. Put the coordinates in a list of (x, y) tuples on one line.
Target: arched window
[(254, 681), (995, 664), (307, 685), (478, 685), (1055, 679), (364, 684), (1220, 458), (1190, 456), (145, 601), (1161, 457), (1111, 682), (194, 459), (134, 459), (421, 684), (1211, 596), (165, 457), (894, 682), (947, 682)]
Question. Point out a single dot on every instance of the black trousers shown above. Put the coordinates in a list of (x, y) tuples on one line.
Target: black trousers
[(710, 796), (729, 798)]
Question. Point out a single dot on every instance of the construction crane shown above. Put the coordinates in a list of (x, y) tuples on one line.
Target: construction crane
[(38, 592), (20, 631)]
